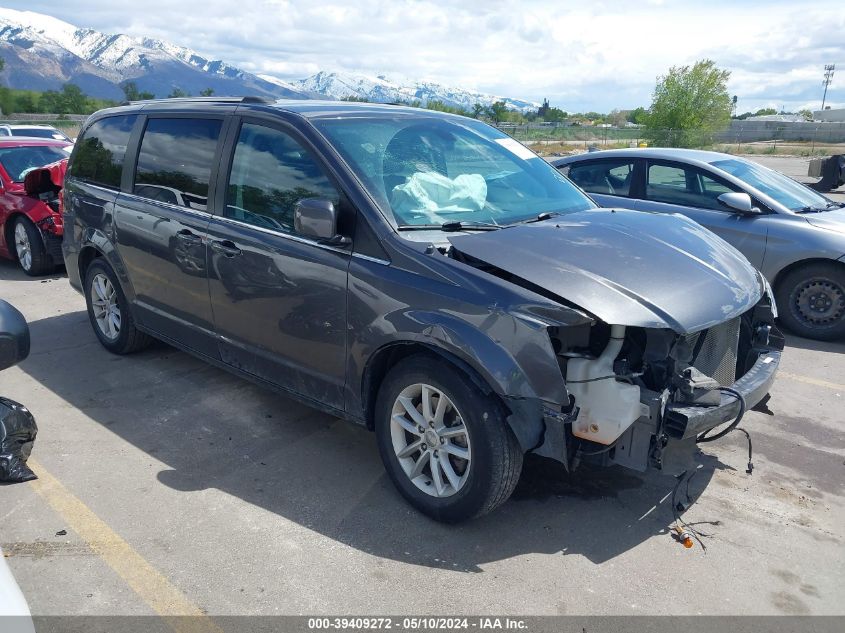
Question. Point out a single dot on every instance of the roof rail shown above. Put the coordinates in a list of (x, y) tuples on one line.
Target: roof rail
[(244, 99)]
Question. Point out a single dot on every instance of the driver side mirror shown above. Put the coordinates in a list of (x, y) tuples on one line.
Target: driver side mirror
[(317, 218), (14, 336), (739, 202)]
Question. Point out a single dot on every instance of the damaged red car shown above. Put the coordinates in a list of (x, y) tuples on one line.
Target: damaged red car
[(31, 176)]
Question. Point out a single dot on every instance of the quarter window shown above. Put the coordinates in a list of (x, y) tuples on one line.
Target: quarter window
[(174, 164), (271, 172), (612, 177), (686, 186), (99, 154)]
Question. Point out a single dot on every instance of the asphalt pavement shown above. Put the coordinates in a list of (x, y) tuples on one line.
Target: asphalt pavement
[(168, 486)]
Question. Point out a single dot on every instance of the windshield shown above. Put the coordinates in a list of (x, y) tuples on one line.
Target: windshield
[(17, 161), (793, 195), (429, 171), (39, 132)]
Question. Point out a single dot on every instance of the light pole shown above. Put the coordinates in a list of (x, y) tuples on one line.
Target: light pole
[(828, 77)]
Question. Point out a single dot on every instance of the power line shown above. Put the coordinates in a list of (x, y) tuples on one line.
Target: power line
[(828, 77)]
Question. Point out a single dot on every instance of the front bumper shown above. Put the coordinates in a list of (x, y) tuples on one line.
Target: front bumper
[(684, 421)]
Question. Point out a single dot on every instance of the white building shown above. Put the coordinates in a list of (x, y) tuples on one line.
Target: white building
[(832, 116)]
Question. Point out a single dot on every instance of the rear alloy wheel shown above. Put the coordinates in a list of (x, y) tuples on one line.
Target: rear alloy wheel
[(104, 306), (29, 248), (811, 301), (445, 444), (109, 311)]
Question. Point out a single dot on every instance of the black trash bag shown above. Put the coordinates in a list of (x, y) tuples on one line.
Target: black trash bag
[(17, 434)]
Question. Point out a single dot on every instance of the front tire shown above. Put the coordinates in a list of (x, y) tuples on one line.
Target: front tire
[(811, 301), (109, 313), (445, 444), (29, 248)]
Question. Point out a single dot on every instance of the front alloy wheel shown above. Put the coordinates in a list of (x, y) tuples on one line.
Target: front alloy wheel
[(430, 440), (23, 247), (445, 442), (28, 247)]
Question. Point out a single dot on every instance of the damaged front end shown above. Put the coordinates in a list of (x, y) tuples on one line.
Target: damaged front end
[(635, 390), (45, 184), (681, 336)]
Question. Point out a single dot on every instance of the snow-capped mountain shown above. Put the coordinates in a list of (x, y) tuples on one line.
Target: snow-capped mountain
[(43, 53), (336, 85)]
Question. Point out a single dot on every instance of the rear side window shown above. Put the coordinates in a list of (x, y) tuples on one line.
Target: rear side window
[(175, 160), (99, 154), (612, 177)]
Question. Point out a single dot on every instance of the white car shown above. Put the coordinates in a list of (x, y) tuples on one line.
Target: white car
[(34, 131), (12, 603)]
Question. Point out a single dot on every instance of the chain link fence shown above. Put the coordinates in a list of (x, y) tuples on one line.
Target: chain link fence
[(803, 139)]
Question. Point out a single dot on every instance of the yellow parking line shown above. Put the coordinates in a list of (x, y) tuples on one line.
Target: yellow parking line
[(144, 579), (811, 381)]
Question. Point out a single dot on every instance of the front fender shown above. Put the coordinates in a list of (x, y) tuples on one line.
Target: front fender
[(523, 379), (514, 357)]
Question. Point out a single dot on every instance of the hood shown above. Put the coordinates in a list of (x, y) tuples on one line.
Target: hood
[(47, 178), (833, 220), (626, 267)]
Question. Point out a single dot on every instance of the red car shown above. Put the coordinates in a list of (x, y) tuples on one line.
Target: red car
[(31, 175)]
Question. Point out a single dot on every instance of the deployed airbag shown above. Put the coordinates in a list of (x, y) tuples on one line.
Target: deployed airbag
[(430, 194), (17, 434)]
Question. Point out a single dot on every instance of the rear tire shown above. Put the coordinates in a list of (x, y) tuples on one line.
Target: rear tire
[(109, 312), (811, 301), (28, 248), (465, 435)]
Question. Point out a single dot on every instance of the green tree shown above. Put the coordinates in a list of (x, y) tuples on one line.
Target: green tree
[(498, 111), (26, 101), (638, 115), (177, 93), (765, 112), (477, 110), (689, 106), (808, 116), (74, 101), (2, 64), (207, 92), (130, 89)]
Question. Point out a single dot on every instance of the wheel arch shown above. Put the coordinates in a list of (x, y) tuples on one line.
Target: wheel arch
[(786, 270), (94, 245), (87, 254), (9, 227), (389, 355)]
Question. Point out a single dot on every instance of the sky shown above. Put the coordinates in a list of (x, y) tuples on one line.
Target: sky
[(582, 56)]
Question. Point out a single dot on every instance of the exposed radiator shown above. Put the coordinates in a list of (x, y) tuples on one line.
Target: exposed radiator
[(716, 351)]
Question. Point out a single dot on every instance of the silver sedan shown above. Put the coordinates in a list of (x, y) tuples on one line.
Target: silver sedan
[(793, 234)]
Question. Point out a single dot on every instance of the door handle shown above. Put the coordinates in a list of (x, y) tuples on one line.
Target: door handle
[(226, 248), (188, 236)]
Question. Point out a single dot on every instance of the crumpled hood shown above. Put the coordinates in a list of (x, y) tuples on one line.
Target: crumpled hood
[(833, 220), (626, 267)]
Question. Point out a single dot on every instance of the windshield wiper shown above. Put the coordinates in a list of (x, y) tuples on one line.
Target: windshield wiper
[(812, 209), (545, 215), (452, 226)]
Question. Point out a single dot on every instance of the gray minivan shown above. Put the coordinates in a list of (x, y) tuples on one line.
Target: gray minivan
[(419, 273)]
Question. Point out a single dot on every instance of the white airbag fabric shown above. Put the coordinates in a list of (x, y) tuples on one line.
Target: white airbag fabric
[(430, 194)]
